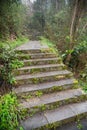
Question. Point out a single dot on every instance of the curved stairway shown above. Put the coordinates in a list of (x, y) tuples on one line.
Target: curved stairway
[(48, 93)]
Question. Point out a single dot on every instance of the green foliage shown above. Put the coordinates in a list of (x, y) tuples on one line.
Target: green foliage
[(8, 112), (83, 79), (39, 93), (17, 42), (38, 21), (84, 74), (43, 107), (50, 44), (8, 63), (79, 125), (21, 128), (78, 52), (12, 20), (47, 42), (57, 26), (14, 43), (83, 85), (9, 1)]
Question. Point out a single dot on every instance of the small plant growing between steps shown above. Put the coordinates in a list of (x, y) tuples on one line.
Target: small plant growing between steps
[(79, 125), (21, 128), (39, 93), (8, 63), (43, 107)]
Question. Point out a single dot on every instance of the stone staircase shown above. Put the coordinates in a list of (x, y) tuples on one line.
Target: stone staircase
[(48, 94)]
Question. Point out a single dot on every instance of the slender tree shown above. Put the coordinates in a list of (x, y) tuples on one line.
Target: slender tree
[(77, 14)]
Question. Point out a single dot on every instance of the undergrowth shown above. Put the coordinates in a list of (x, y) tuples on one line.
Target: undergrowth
[(9, 115), (50, 44), (8, 63), (14, 43)]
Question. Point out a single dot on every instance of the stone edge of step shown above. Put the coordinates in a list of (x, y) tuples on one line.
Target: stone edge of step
[(52, 98), (53, 116), (44, 59), (42, 75), (41, 86), (41, 66)]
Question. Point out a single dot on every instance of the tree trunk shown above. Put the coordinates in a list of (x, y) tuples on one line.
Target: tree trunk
[(77, 14), (57, 5), (73, 25), (78, 10)]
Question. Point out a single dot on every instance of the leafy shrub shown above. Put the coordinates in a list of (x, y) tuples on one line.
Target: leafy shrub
[(8, 62), (84, 74), (15, 42), (83, 85), (78, 56), (8, 112), (50, 44)]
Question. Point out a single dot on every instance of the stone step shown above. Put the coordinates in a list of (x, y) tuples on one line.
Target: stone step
[(42, 77), (24, 91), (52, 100), (36, 55), (39, 68), (42, 61), (29, 51), (53, 118)]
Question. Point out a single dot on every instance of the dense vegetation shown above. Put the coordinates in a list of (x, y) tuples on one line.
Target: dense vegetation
[(12, 34), (12, 19), (8, 112)]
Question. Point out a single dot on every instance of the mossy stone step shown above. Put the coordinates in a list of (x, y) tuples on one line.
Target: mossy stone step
[(36, 50), (43, 77), (42, 61), (52, 100), (53, 118), (39, 68), (24, 91), (36, 55)]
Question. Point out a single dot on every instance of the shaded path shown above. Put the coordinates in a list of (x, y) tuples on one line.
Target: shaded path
[(32, 45)]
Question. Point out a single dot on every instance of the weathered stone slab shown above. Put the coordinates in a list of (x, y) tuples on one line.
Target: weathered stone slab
[(32, 45), (42, 61), (38, 60), (80, 108), (41, 66), (41, 86), (52, 116), (52, 98), (45, 74), (59, 114), (66, 112), (38, 68), (36, 55), (34, 122)]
